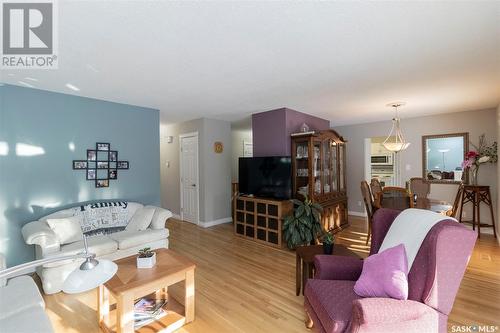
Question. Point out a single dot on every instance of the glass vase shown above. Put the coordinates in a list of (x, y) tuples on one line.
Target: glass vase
[(474, 174)]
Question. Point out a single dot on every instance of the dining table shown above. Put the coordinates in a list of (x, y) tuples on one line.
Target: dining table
[(404, 202)]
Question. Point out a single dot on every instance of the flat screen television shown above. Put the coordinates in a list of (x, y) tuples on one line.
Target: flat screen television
[(269, 177)]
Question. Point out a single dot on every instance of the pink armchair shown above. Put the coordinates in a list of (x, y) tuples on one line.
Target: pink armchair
[(332, 306)]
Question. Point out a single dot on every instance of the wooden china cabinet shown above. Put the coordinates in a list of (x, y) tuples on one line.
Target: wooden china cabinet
[(318, 171)]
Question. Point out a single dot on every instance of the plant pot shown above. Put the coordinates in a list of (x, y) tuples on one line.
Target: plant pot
[(146, 262), (327, 248)]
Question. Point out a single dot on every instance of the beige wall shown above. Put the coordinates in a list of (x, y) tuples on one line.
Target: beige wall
[(474, 122), (214, 169), (238, 136)]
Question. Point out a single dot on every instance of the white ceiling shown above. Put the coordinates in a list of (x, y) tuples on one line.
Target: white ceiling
[(343, 61)]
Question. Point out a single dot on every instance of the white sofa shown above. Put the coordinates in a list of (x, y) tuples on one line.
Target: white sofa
[(99, 222), (22, 309)]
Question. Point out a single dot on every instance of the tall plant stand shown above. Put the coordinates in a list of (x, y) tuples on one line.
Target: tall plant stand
[(476, 194)]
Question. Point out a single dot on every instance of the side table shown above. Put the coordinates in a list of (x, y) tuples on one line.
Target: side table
[(476, 194), (304, 268)]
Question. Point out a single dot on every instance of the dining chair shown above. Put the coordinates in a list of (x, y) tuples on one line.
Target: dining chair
[(420, 187), (457, 203), (376, 187), (368, 199)]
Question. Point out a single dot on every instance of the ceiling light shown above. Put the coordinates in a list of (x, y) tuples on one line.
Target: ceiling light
[(4, 148), (72, 87), (395, 141), (24, 149), (26, 84)]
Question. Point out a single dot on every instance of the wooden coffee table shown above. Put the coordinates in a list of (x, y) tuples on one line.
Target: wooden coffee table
[(131, 283), (304, 268)]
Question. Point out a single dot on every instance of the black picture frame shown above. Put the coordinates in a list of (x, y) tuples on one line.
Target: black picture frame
[(123, 165), (112, 173), (79, 165), (99, 183), (101, 165), (91, 174), (91, 155), (102, 146)]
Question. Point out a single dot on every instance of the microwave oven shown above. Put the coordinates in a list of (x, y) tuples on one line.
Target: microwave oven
[(385, 159)]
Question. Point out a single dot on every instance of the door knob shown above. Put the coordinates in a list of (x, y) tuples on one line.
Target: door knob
[(193, 185)]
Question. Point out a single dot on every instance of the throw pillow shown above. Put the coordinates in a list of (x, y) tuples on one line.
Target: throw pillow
[(160, 217), (67, 229), (384, 275), (141, 219)]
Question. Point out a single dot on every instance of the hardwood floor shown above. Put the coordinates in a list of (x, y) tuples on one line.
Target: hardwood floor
[(243, 286)]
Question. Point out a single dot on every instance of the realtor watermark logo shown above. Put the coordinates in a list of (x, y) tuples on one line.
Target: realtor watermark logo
[(474, 329), (29, 34)]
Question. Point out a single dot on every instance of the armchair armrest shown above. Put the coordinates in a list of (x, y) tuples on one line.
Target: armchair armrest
[(39, 233), (331, 267), (389, 311)]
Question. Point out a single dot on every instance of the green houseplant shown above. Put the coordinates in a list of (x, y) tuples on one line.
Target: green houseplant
[(303, 226), (146, 258), (327, 243)]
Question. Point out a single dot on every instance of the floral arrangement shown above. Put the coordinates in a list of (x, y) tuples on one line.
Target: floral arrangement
[(483, 153)]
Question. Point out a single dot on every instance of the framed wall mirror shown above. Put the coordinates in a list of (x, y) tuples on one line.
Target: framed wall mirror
[(442, 157)]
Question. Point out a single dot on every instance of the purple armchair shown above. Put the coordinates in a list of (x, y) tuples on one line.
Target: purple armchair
[(333, 307)]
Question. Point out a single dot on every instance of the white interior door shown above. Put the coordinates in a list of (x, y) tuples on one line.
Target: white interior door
[(189, 177)]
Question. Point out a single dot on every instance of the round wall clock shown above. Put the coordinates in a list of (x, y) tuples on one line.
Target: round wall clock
[(218, 147)]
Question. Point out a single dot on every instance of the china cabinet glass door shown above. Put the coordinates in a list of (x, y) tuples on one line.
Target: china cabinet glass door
[(333, 164), (342, 166), (326, 167), (317, 186), (302, 167)]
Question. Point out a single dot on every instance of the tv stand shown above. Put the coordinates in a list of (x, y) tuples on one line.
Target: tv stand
[(260, 219)]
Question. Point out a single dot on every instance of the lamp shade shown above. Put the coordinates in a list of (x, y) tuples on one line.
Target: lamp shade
[(81, 280)]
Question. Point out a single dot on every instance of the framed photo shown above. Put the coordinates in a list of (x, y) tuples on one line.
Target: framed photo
[(91, 165), (102, 165), (113, 156), (102, 146), (78, 165), (113, 173), (91, 155), (91, 173), (122, 165), (101, 183), (102, 156)]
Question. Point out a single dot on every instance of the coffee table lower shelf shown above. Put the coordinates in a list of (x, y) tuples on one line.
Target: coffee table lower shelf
[(173, 320)]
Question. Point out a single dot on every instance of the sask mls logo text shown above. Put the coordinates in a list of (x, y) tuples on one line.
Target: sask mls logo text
[(29, 34)]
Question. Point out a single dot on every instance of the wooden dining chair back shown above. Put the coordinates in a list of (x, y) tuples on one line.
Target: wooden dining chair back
[(457, 203), (376, 188), (420, 187), (368, 200)]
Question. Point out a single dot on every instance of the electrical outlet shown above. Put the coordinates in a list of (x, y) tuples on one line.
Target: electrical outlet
[(359, 203)]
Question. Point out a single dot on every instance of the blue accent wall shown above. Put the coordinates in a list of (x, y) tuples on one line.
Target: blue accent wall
[(56, 129)]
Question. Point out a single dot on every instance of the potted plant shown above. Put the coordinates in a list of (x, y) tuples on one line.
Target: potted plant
[(303, 226), (484, 153), (146, 258), (327, 243)]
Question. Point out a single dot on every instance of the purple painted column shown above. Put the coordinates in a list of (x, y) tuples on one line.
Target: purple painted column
[(272, 129)]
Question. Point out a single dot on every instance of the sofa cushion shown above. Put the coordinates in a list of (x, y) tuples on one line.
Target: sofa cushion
[(32, 320), (21, 293), (160, 216), (141, 219), (127, 239), (99, 245), (332, 302), (67, 229)]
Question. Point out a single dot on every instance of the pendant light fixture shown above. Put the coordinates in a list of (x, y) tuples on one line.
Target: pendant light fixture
[(395, 141)]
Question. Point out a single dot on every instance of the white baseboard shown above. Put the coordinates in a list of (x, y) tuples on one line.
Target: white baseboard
[(209, 224), (353, 213)]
